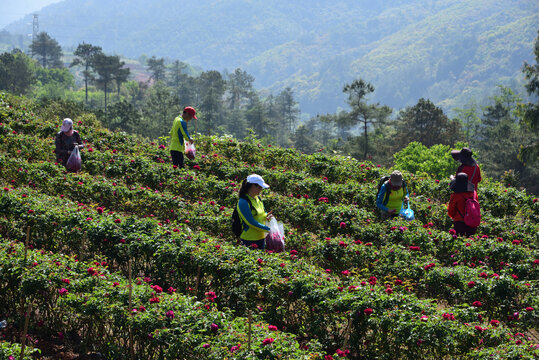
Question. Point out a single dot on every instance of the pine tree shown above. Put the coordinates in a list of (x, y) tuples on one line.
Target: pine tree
[(363, 113), (85, 53), (106, 67), (157, 68), (47, 50)]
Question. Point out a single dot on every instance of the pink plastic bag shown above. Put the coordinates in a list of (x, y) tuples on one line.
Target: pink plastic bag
[(74, 162), (275, 238)]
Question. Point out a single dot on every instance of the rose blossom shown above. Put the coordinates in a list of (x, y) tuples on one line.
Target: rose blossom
[(368, 311)]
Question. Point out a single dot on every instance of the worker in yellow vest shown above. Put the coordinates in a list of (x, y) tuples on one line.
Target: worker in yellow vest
[(391, 196), (179, 135), (252, 213)]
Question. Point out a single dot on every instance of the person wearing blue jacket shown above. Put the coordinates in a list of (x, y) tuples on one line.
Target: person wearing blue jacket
[(391, 196), (251, 212)]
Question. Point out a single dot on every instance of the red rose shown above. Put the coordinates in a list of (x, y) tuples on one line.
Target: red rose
[(63, 291), (368, 311)]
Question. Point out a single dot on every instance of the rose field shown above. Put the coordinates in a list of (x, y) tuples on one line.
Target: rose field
[(132, 258)]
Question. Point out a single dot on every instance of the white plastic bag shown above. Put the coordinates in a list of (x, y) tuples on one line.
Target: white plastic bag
[(74, 162), (275, 237), (190, 151)]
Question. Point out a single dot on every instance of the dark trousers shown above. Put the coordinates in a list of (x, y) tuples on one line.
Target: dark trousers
[(177, 158), (462, 229), (386, 215), (260, 244)]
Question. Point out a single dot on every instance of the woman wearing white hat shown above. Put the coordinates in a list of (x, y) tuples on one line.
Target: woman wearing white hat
[(66, 140), (251, 212)]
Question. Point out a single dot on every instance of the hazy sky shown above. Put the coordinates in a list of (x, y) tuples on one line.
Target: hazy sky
[(12, 10)]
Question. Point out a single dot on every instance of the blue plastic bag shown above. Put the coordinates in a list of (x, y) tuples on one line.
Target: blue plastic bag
[(407, 214)]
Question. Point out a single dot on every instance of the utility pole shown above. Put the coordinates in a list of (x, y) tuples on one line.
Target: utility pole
[(35, 28)]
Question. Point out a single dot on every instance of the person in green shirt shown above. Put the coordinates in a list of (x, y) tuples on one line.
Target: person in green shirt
[(252, 214), (179, 134), (392, 195)]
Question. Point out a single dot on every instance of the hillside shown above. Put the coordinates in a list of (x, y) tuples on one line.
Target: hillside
[(445, 50), (131, 245)]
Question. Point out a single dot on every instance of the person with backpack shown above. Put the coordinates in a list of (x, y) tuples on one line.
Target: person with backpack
[(463, 207), (392, 193), (251, 214), (468, 165), (66, 141), (179, 134)]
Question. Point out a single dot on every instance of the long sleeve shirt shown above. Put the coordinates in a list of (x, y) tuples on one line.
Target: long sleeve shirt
[(64, 144), (179, 134), (469, 169), (457, 204), (253, 221)]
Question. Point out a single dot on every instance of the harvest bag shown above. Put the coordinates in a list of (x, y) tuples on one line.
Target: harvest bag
[(408, 213), (190, 151), (275, 237), (74, 162)]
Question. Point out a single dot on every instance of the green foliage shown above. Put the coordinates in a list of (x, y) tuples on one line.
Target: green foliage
[(409, 49), (84, 56), (347, 283), (53, 82), (157, 68), (47, 50), (362, 114), (16, 73), (427, 124), (13, 351), (435, 161), (503, 133), (529, 113), (109, 69)]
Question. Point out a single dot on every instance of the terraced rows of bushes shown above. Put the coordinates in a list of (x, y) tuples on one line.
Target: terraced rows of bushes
[(346, 286)]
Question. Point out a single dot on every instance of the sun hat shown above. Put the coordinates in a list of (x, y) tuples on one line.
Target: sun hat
[(464, 153), (257, 179), (396, 178), (67, 124), (191, 111)]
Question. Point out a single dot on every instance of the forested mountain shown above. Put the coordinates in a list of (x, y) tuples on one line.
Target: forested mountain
[(443, 50)]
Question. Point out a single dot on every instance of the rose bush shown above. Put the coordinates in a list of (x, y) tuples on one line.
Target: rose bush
[(380, 288)]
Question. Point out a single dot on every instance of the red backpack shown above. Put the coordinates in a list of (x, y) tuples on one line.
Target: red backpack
[(472, 213)]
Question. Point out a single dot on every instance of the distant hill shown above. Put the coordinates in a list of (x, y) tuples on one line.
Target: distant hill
[(444, 50)]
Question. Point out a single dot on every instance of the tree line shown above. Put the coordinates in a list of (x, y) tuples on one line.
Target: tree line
[(503, 131)]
